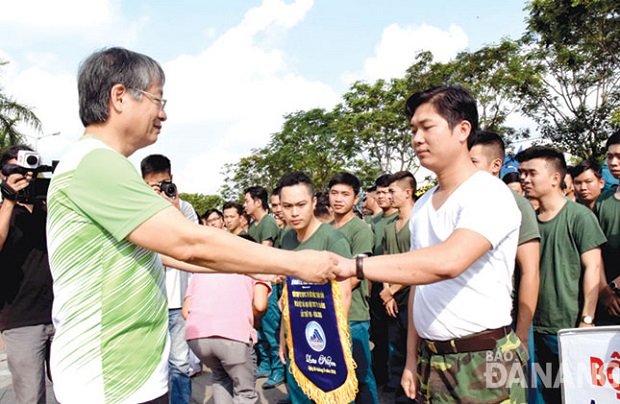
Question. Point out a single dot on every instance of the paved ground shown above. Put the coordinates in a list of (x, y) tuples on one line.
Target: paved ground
[(201, 387)]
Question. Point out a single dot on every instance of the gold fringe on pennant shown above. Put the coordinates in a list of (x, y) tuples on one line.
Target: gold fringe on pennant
[(347, 391)]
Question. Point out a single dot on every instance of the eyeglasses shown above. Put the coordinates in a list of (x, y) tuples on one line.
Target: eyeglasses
[(162, 102)]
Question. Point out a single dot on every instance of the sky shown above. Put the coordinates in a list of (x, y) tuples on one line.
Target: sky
[(233, 68)]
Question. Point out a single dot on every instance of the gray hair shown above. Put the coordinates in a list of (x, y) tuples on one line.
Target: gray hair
[(106, 68)]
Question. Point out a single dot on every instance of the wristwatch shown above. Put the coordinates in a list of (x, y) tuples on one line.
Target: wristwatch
[(614, 287), (587, 320)]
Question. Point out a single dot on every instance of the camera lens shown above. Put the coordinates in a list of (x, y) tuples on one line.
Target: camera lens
[(32, 160)]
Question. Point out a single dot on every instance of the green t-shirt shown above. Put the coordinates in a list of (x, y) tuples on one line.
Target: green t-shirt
[(325, 238), (572, 232), (360, 238), (110, 307), (529, 224), (278, 242), (266, 229), (377, 226), (396, 242), (527, 232), (607, 209)]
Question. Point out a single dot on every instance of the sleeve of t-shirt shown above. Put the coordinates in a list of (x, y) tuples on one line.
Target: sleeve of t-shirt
[(493, 216), (270, 230), (529, 225), (339, 245), (363, 242), (109, 190), (588, 233), (188, 211)]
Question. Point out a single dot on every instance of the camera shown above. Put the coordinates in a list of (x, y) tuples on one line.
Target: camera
[(28, 161), (168, 188)]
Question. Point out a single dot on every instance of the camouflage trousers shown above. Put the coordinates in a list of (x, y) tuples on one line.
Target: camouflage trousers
[(493, 376)]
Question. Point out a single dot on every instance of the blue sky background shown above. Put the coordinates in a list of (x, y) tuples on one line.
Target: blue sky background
[(233, 68)]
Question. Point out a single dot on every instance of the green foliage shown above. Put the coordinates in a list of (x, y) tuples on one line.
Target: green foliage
[(575, 43), (563, 73), (13, 114), (373, 125), (308, 142), (202, 203)]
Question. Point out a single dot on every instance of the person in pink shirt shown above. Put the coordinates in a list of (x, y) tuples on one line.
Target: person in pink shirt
[(220, 311)]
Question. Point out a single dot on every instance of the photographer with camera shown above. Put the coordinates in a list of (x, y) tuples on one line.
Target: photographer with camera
[(26, 287), (157, 172)]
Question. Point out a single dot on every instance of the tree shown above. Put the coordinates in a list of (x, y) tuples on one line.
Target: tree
[(13, 114), (308, 142), (374, 126), (576, 44), (498, 75), (202, 203)]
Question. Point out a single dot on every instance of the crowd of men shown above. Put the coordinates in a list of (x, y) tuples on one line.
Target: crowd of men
[(432, 287)]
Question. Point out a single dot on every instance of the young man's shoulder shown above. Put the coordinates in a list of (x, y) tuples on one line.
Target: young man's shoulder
[(357, 224)]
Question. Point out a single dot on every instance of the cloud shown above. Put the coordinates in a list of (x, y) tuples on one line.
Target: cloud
[(398, 46), (53, 98), (236, 92), (57, 13), (223, 100)]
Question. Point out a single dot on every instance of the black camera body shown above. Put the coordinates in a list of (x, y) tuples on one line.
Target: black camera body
[(29, 161), (169, 188)]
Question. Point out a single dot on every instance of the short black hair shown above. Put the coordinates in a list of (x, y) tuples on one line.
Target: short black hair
[(383, 181), (11, 153), (406, 177), (550, 155), (259, 193), (296, 178), (490, 139), (586, 165), (452, 103), (613, 139), (209, 212), (276, 191), (321, 209), (155, 164), (235, 205), (346, 179), (511, 177)]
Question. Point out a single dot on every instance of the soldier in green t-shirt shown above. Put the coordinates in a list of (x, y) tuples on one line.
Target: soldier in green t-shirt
[(265, 231), (570, 259), (487, 152), (607, 209), (307, 233), (343, 196), (396, 240), (378, 316)]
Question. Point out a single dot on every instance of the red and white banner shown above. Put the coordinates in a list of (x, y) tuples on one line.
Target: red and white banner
[(590, 364)]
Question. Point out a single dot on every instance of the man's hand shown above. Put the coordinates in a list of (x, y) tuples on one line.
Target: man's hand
[(346, 267), (391, 308), (317, 266), (610, 301), (408, 381), (174, 201), (386, 295)]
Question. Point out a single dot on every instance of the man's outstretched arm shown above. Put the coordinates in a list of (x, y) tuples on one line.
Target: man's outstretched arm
[(168, 232)]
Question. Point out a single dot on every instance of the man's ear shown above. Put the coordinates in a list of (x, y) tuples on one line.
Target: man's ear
[(117, 94), (496, 166), (464, 130)]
